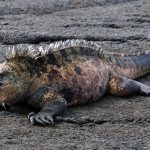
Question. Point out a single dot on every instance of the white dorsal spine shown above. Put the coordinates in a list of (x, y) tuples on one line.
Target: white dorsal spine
[(22, 49), (26, 50)]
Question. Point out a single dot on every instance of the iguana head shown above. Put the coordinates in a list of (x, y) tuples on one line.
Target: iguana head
[(10, 85)]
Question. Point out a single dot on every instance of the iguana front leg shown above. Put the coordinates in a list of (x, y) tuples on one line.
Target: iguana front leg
[(121, 86), (52, 106)]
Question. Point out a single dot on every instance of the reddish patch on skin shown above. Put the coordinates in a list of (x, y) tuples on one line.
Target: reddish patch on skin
[(8, 94), (113, 85), (85, 83), (49, 96), (118, 86)]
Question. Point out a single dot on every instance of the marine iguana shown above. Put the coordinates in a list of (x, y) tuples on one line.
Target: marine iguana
[(67, 73)]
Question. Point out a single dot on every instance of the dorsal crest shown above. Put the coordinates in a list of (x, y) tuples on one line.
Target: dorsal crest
[(56, 50), (61, 49)]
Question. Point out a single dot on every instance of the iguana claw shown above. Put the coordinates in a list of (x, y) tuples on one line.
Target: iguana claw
[(41, 119)]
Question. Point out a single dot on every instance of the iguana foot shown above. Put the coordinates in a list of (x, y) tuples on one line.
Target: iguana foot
[(50, 109), (4, 106), (144, 89), (41, 118)]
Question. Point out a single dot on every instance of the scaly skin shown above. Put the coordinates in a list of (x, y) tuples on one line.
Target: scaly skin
[(67, 77), (133, 66)]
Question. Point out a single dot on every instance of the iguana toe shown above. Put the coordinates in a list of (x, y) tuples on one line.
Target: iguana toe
[(68, 119), (145, 89), (41, 119), (50, 119)]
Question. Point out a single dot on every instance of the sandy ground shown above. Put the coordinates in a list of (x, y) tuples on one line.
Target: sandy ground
[(117, 25)]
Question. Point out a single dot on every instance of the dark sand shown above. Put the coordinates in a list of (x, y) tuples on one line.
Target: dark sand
[(117, 25)]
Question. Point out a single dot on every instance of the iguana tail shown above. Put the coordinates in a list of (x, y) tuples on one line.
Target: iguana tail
[(130, 65)]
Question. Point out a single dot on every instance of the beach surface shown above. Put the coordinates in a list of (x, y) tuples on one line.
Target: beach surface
[(117, 25)]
